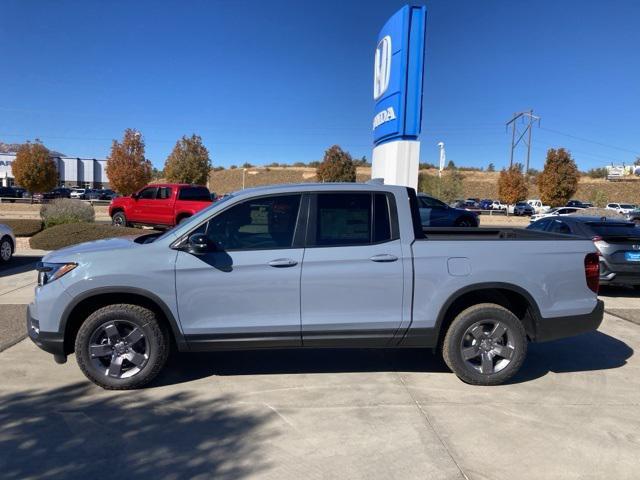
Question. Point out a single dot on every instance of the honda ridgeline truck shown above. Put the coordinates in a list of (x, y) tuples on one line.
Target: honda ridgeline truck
[(313, 265)]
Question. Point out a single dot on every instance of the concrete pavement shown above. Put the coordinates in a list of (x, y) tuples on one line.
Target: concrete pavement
[(573, 412)]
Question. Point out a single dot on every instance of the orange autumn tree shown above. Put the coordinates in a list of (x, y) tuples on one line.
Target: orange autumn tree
[(127, 168), (512, 186), (34, 169)]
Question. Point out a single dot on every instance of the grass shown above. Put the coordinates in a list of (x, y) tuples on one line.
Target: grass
[(23, 227), (61, 236)]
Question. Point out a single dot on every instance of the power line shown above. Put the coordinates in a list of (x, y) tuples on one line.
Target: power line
[(575, 137)]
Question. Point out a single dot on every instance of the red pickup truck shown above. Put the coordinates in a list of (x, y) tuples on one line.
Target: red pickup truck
[(160, 205)]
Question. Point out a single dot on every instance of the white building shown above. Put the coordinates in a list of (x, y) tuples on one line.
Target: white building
[(72, 172)]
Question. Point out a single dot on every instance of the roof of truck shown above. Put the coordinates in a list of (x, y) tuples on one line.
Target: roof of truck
[(329, 186)]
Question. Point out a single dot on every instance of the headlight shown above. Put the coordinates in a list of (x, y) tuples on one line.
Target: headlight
[(48, 272)]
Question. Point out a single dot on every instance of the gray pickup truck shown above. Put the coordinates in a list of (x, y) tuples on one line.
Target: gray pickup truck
[(313, 265)]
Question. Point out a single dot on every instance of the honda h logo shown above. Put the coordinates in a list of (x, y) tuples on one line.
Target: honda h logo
[(382, 67)]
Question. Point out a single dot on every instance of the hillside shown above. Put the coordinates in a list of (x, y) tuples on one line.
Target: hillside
[(475, 185), (13, 147)]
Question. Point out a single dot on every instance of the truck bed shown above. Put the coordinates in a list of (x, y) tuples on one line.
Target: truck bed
[(479, 233)]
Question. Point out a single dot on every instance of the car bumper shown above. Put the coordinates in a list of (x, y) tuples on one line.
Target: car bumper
[(51, 342), (561, 327), (619, 273)]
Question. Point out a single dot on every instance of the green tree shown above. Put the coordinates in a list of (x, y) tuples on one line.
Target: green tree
[(599, 199), (189, 161), (597, 173), (127, 168), (34, 169), (447, 188), (337, 166), (491, 168), (512, 186), (451, 165), (559, 178)]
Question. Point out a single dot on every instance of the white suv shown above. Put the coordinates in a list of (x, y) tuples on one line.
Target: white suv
[(7, 243), (79, 193), (623, 208)]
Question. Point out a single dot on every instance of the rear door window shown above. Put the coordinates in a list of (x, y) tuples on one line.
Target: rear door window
[(343, 219), (164, 193), (195, 194)]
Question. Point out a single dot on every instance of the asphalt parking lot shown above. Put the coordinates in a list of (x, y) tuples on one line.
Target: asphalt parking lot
[(572, 412)]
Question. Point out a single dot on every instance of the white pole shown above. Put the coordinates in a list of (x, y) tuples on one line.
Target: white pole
[(443, 158)]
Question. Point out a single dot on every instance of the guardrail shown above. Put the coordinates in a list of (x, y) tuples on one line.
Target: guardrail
[(489, 212), (29, 200)]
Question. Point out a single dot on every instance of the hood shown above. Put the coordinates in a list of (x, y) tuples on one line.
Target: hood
[(70, 253)]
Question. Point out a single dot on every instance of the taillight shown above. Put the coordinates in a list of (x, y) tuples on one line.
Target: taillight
[(592, 271)]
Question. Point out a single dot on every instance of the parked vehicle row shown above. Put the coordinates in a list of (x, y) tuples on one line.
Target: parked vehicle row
[(435, 213), (312, 265), (617, 241), (555, 212)]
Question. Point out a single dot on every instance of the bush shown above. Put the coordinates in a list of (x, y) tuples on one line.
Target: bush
[(65, 235), (66, 210), (23, 227)]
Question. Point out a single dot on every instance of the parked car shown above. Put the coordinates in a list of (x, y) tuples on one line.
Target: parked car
[(21, 192), (485, 204), (521, 208), (617, 241), (315, 265), (59, 192), (621, 207), (107, 194), (633, 216), (434, 213), (579, 204), (79, 193), (7, 243), (161, 205), (457, 204), (8, 194), (497, 205), (537, 205), (555, 212)]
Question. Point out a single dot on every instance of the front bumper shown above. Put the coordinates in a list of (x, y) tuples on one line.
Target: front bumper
[(561, 327), (51, 342)]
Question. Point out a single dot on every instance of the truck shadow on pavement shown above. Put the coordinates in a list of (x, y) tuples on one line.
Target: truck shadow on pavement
[(19, 264), (79, 431), (587, 352)]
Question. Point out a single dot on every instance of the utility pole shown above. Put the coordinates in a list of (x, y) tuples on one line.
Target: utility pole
[(528, 118)]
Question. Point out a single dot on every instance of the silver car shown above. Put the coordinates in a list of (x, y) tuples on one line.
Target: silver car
[(7, 243)]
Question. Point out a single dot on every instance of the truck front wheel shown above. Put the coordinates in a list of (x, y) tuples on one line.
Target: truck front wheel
[(485, 344), (121, 347), (119, 220)]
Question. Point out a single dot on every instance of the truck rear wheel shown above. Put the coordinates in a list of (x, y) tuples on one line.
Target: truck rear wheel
[(121, 347), (485, 345)]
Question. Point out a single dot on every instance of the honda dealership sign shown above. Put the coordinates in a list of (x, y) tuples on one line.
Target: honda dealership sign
[(397, 76), (398, 68)]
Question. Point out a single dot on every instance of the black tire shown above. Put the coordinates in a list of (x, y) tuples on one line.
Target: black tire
[(459, 341), (6, 249), (119, 220), (182, 219), (153, 347)]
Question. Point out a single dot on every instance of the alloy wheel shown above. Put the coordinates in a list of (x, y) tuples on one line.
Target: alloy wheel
[(5, 250), (488, 346), (118, 349)]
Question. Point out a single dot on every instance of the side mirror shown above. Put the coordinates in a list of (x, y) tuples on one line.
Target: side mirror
[(134, 195), (198, 244)]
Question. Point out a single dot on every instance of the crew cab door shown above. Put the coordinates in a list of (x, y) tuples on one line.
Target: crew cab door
[(245, 290), (163, 210), (352, 273), (142, 206)]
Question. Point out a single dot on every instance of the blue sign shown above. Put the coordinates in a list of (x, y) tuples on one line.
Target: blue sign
[(397, 77)]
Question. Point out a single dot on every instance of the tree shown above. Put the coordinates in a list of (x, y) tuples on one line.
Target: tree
[(189, 162), (127, 168), (337, 166), (512, 186), (447, 188), (559, 178), (34, 169), (491, 168), (451, 165), (597, 173), (599, 199)]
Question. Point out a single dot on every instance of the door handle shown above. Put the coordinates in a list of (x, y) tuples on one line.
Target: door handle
[(282, 263), (383, 257)]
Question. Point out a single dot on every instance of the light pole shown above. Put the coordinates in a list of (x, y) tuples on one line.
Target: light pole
[(244, 171)]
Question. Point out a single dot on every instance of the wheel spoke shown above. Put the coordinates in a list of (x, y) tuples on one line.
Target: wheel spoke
[(136, 358), (503, 351), (134, 336), (112, 333), (470, 352), (477, 332), (116, 366), (498, 331), (100, 350), (486, 366)]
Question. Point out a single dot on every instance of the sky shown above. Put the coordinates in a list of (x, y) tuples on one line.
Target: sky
[(281, 81)]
